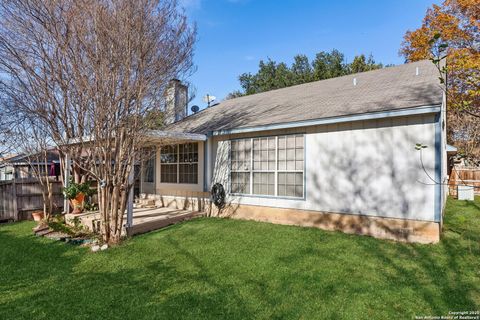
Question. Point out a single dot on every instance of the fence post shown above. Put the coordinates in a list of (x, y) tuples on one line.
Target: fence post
[(66, 206), (14, 198)]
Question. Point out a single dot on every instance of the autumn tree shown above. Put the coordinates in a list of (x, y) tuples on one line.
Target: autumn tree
[(90, 72), (452, 31)]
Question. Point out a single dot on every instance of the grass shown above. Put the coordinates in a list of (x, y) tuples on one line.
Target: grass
[(220, 268)]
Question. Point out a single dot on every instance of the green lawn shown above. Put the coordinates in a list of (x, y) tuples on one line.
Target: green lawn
[(220, 268)]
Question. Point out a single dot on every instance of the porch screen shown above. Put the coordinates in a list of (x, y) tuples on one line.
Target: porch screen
[(179, 163), (271, 166)]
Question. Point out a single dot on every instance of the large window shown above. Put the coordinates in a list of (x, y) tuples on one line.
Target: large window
[(179, 163), (272, 166)]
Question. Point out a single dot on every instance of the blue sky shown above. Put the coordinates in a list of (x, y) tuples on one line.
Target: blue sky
[(233, 35)]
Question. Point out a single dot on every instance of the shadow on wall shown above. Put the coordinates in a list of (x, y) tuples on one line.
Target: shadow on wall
[(363, 169), (374, 172)]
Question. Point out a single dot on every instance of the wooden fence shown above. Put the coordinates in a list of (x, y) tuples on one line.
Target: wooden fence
[(464, 176), (20, 197)]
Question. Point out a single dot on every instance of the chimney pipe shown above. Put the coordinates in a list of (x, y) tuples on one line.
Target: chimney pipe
[(176, 101)]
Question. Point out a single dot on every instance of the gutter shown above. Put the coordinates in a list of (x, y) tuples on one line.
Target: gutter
[(331, 120)]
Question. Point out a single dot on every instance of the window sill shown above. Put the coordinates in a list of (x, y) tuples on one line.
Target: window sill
[(266, 196)]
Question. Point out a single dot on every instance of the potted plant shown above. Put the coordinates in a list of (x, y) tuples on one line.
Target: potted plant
[(37, 216), (76, 192)]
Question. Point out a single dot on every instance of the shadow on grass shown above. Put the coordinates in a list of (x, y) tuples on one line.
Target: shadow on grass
[(217, 268)]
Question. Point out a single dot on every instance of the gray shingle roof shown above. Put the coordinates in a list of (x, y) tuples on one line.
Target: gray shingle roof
[(386, 89)]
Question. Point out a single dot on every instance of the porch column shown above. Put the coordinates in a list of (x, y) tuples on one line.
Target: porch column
[(208, 171), (66, 171), (130, 199)]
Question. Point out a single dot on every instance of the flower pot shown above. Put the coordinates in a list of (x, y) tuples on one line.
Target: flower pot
[(37, 216), (78, 203)]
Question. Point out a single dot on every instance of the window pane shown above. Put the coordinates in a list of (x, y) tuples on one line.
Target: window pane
[(241, 182), (290, 184), (271, 143), (290, 178), (290, 154), (298, 165), (281, 142), (264, 183), (168, 173), (290, 142), (281, 177), (299, 178), (188, 173), (299, 141), (299, 154), (290, 191), (298, 191), (290, 165), (271, 165), (264, 154), (168, 154)]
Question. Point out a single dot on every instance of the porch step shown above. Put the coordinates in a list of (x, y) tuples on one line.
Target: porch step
[(159, 224), (144, 203), (142, 206)]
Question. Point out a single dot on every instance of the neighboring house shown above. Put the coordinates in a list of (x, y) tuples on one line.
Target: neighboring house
[(20, 166), (337, 154)]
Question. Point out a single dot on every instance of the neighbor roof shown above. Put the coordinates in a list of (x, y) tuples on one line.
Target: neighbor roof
[(387, 89)]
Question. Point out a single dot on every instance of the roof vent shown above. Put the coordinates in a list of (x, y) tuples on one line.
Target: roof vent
[(354, 81), (417, 71)]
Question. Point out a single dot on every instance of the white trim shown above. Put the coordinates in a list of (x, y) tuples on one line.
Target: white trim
[(339, 119), (183, 136)]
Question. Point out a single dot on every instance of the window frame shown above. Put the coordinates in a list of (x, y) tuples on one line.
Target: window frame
[(276, 171), (178, 163)]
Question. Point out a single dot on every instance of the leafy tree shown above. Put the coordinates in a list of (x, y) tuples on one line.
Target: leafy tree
[(301, 69), (266, 75), (272, 75), (329, 65), (452, 30), (283, 76), (248, 83), (362, 64), (234, 94)]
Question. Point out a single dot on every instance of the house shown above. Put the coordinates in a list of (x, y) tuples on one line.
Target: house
[(20, 188), (338, 154), (22, 166)]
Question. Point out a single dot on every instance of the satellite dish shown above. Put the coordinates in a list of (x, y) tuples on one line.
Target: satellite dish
[(194, 109), (208, 99)]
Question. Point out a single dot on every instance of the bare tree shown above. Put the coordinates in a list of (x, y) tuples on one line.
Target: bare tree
[(91, 71), (38, 152)]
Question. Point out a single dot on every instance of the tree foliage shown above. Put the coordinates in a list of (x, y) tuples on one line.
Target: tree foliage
[(272, 75), (452, 31)]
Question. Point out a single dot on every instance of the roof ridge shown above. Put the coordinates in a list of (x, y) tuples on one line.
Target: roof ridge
[(317, 81)]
